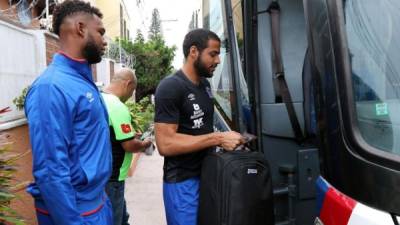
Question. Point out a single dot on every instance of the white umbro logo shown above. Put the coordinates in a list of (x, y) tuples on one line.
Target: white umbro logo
[(89, 96), (191, 97)]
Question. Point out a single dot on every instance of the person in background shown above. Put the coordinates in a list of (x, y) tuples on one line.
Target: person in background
[(184, 125), (68, 125), (123, 140)]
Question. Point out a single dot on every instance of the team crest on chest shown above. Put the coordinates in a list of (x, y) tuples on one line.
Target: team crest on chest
[(197, 117)]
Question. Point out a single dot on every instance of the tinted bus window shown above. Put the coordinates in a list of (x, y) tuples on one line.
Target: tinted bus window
[(373, 35), (237, 15), (237, 12), (221, 82)]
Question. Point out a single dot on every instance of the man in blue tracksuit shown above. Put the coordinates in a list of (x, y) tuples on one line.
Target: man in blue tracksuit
[(68, 125)]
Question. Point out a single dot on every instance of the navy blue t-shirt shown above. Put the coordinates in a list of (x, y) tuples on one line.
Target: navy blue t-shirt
[(180, 101)]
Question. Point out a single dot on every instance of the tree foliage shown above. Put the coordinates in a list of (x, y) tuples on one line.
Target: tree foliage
[(142, 114), (139, 37), (155, 30), (153, 61)]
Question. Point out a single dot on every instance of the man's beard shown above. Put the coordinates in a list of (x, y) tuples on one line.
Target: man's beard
[(92, 52), (201, 69)]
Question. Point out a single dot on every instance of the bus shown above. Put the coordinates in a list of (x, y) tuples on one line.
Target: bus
[(318, 83)]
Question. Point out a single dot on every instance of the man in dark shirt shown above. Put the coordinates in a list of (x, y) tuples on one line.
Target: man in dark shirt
[(184, 125)]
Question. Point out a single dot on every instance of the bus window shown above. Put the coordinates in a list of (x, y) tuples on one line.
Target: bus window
[(221, 82), (237, 12), (374, 48), (237, 15)]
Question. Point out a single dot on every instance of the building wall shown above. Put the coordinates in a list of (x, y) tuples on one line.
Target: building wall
[(105, 71), (22, 59), (4, 4), (28, 14), (25, 53), (52, 46), (111, 10), (127, 18)]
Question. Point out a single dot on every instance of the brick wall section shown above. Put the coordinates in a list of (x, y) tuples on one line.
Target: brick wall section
[(52, 46), (19, 136), (11, 18), (10, 14), (4, 4)]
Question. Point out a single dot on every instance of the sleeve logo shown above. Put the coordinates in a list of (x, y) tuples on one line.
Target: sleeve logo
[(126, 128)]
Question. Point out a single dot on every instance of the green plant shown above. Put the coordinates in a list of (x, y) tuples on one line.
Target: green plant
[(142, 114), (7, 188), (20, 100), (153, 61)]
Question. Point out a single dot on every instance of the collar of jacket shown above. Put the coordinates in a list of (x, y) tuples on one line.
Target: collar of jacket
[(81, 66)]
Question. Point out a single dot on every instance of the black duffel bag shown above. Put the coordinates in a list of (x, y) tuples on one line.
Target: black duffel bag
[(235, 189)]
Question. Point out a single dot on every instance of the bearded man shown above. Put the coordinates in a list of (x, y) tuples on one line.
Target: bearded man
[(68, 125), (184, 125)]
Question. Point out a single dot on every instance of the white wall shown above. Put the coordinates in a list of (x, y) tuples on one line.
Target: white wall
[(22, 59), (118, 66), (103, 71)]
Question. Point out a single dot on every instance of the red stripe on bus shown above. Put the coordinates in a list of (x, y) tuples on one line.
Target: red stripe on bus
[(337, 208)]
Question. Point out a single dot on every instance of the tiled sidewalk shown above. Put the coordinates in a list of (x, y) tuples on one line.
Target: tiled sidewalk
[(144, 192)]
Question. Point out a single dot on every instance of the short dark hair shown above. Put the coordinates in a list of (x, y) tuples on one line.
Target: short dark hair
[(198, 38), (70, 7)]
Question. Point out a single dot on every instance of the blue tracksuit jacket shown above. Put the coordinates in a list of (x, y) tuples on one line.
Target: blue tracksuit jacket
[(70, 141)]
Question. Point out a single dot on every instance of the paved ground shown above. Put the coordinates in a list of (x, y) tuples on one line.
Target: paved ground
[(144, 192)]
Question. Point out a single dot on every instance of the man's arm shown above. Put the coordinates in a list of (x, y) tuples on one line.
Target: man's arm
[(135, 145), (168, 100), (170, 142), (120, 121), (50, 128)]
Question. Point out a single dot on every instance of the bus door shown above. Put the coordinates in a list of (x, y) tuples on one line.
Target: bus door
[(355, 52), (247, 100)]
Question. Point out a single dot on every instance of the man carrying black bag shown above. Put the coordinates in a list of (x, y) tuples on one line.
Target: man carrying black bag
[(184, 126)]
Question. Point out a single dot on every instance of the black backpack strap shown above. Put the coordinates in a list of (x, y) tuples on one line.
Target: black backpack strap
[(281, 89)]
